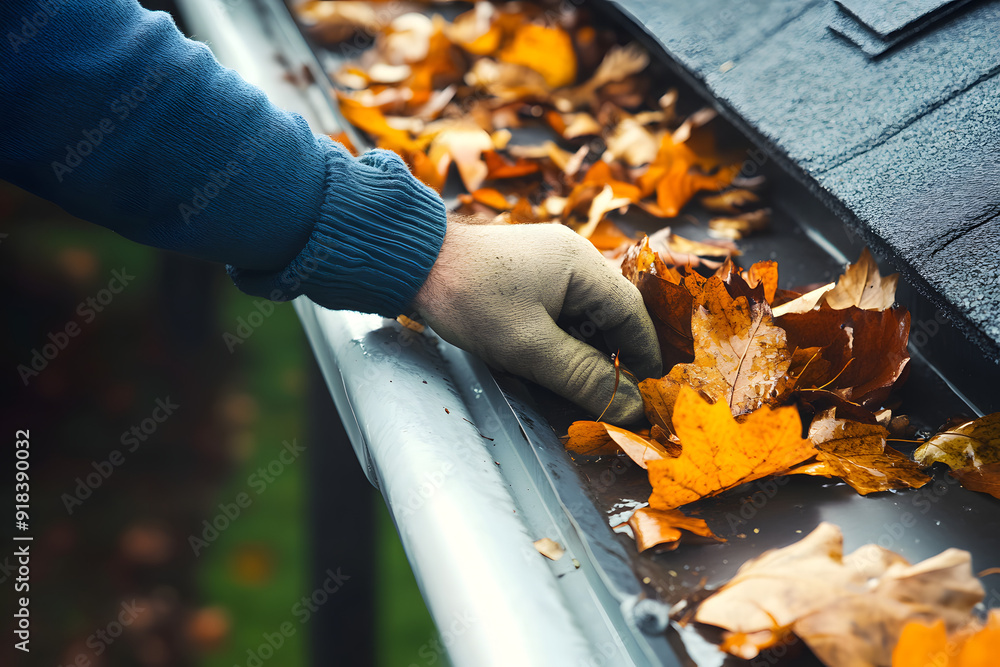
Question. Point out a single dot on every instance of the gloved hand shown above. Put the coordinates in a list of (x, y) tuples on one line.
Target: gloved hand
[(497, 291)]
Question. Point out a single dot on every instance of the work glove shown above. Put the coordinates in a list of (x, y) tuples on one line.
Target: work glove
[(498, 290)]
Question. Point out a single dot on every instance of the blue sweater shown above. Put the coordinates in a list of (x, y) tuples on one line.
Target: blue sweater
[(109, 111)]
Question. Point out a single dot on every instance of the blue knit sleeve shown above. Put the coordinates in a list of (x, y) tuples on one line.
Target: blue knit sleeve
[(111, 113)]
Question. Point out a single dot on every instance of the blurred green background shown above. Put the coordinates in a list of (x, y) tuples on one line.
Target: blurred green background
[(130, 540)]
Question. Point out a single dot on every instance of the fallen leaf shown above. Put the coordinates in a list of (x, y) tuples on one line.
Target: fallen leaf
[(765, 274), (739, 226), (971, 450), (463, 143), (547, 50), (858, 454), (740, 357), (600, 174), (602, 204), (499, 168), (619, 63), (653, 527), (849, 610), (632, 143), (490, 197), (862, 286), (985, 479), (803, 303), (475, 30), (601, 439), (866, 349), (719, 453), (638, 258), (733, 201), (334, 22), (928, 645), (972, 444), (670, 306), (549, 548), (508, 82), (608, 236)]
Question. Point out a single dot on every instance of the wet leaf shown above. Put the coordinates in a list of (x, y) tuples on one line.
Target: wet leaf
[(601, 439), (765, 274), (865, 349), (849, 610), (669, 307), (972, 444), (985, 478), (971, 450), (653, 527), (740, 357), (804, 302), (858, 454), (862, 286), (719, 453)]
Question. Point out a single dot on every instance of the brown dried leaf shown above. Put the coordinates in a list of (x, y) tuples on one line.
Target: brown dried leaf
[(849, 610), (858, 454), (865, 349), (732, 201), (739, 226), (985, 478), (863, 286)]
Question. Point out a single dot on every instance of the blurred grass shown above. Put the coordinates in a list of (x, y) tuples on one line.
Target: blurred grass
[(403, 624), (258, 568)]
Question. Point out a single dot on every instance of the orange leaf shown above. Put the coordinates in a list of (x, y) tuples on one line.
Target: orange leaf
[(652, 527), (921, 645), (600, 439), (344, 139), (372, 121), (608, 236), (718, 453), (547, 50), (985, 479), (431, 174), (492, 198), (766, 274), (600, 174), (498, 167)]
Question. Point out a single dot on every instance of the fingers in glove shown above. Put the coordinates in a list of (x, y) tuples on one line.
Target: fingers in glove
[(615, 306), (576, 371)]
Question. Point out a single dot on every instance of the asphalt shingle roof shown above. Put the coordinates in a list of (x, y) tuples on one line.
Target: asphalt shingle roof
[(905, 144)]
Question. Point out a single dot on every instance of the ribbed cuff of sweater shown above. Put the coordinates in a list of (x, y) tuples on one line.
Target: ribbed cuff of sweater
[(378, 232)]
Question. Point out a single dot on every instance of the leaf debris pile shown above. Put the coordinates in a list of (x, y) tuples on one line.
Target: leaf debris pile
[(473, 96)]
